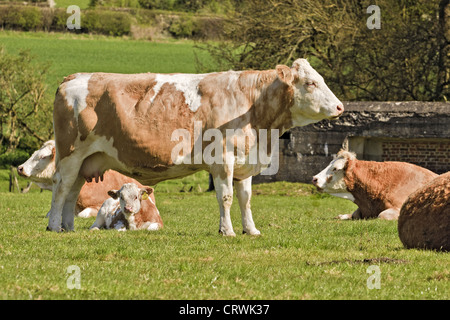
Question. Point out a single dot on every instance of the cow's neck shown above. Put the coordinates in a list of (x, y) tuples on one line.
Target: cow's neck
[(271, 100)]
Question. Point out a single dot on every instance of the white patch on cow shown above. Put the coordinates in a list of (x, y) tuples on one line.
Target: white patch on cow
[(150, 226), (76, 91), (344, 195), (186, 83), (87, 213)]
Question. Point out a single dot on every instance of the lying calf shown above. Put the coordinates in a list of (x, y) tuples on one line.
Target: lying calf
[(377, 188), (130, 208)]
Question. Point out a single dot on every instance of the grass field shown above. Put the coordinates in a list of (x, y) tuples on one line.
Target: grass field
[(303, 253), (70, 53)]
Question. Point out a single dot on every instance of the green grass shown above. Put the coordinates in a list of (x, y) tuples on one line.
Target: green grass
[(83, 4), (303, 253), (71, 53)]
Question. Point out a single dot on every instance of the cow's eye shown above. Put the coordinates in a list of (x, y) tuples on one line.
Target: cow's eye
[(311, 84)]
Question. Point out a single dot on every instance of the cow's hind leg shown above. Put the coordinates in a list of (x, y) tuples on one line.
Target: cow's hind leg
[(223, 183), (244, 194)]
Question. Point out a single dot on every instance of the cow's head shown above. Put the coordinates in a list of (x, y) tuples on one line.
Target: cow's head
[(313, 100), (130, 197), (40, 167), (331, 179)]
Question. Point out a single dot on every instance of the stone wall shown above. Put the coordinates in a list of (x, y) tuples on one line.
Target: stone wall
[(417, 132)]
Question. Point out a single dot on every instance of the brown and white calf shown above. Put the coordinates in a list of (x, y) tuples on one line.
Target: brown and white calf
[(378, 188), (130, 208), (40, 168), (132, 123)]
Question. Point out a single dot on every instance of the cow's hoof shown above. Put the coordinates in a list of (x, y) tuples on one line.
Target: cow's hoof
[(227, 233), (345, 217), (50, 229), (254, 232)]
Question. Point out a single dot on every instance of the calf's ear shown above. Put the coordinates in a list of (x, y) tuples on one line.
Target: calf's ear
[(145, 192), (285, 74), (113, 194)]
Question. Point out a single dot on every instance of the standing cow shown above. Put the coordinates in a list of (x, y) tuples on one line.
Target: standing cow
[(378, 188), (40, 168), (133, 124)]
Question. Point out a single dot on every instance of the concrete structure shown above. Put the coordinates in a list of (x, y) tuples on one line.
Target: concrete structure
[(416, 132)]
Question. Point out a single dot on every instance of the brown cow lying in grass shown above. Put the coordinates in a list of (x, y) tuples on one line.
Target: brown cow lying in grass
[(378, 188), (424, 220)]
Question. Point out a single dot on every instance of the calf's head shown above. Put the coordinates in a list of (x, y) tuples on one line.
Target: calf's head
[(40, 167), (331, 179), (130, 197), (313, 100)]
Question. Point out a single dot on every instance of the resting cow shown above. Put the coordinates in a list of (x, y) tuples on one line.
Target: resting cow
[(130, 208), (133, 124), (377, 188), (40, 168), (424, 220)]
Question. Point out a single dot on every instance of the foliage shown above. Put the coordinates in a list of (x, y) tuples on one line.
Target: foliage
[(106, 22), (13, 158), (22, 103), (20, 17), (404, 60)]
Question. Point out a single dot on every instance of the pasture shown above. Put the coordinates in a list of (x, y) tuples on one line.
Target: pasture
[(303, 252)]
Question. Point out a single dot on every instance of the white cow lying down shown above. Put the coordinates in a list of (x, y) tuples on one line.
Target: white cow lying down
[(130, 208)]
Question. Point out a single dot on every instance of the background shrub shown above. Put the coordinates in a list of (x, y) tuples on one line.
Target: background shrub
[(14, 158)]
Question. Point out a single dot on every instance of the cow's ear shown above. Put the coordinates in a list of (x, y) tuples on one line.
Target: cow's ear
[(113, 194), (285, 74)]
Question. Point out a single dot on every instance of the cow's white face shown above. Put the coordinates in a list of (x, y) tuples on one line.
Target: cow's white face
[(130, 196), (40, 167), (331, 179), (313, 100)]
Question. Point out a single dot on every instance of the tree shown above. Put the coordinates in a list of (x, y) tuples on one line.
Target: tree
[(406, 59), (24, 111)]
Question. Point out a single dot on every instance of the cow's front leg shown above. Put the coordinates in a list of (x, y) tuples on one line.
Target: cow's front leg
[(63, 181), (223, 183), (244, 194), (68, 213)]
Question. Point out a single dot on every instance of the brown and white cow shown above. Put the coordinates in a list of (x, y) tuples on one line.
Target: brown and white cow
[(40, 168), (130, 208), (132, 123), (378, 188)]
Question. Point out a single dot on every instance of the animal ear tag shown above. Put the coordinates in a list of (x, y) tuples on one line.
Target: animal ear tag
[(145, 196)]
